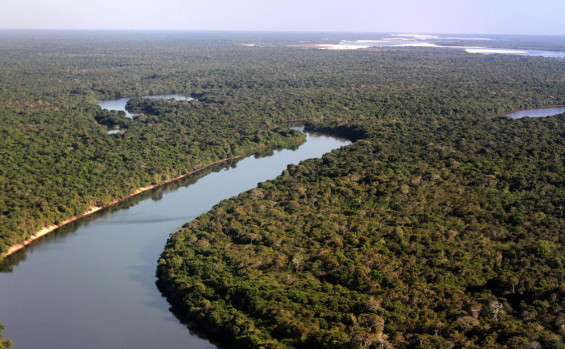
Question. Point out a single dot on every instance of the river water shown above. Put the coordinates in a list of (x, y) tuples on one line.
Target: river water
[(120, 104), (92, 284), (116, 104), (536, 112)]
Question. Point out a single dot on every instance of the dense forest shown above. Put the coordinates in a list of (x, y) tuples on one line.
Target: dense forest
[(56, 158), (441, 226), (421, 235)]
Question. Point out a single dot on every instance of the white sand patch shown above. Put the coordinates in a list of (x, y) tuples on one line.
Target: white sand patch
[(420, 44), (464, 38), (341, 47), (367, 41), (397, 39), (498, 50), (417, 36)]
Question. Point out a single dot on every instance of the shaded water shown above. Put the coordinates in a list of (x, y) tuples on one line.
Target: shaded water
[(116, 104), (92, 284), (120, 104), (536, 112)]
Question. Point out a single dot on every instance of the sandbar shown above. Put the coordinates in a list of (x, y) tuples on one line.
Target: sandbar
[(341, 47), (494, 50)]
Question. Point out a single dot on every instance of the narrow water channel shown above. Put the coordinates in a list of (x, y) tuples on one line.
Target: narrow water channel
[(536, 112), (120, 104), (92, 284)]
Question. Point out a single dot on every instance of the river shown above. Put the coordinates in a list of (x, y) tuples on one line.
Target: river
[(120, 104), (92, 284), (536, 112)]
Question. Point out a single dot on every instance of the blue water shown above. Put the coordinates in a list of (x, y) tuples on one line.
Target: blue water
[(536, 112), (120, 104), (116, 104), (91, 285)]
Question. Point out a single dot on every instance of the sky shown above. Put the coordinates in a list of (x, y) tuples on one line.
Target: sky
[(539, 17)]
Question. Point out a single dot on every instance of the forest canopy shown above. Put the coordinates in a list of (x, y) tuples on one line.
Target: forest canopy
[(441, 226)]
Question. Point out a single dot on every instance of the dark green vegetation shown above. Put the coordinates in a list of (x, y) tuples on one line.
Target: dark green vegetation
[(438, 227), (56, 159), (3, 342), (414, 234)]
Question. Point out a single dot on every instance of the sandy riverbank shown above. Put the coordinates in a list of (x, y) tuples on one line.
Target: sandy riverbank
[(46, 230)]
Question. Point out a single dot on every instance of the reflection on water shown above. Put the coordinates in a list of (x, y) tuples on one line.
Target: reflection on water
[(536, 112), (7, 264), (91, 284), (120, 104), (116, 104)]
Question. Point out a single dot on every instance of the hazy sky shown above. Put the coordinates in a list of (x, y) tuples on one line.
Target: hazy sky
[(425, 16)]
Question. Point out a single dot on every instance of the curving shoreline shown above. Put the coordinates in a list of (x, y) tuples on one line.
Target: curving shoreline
[(530, 108), (48, 229)]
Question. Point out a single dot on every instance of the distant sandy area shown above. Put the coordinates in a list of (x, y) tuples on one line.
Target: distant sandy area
[(487, 50), (341, 47), (465, 38), (422, 44), (373, 41), (417, 36)]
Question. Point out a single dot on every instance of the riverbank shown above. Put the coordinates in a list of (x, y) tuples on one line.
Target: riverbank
[(106, 262), (93, 209)]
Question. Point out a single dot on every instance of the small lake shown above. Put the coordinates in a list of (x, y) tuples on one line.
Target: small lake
[(120, 104), (116, 104), (91, 284), (536, 112)]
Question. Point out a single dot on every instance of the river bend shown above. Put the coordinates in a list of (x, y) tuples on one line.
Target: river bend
[(92, 284)]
